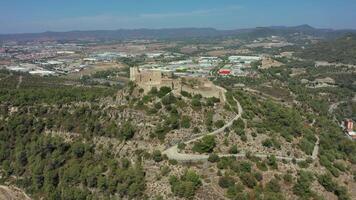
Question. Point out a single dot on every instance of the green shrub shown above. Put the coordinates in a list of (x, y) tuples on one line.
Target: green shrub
[(205, 145), (186, 94), (248, 179), (157, 156), (185, 121), (213, 158), (288, 178), (163, 91), (186, 185), (226, 182), (219, 124), (181, 146), (234, 150)]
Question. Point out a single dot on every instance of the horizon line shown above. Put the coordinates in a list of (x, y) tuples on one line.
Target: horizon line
[(183, 27)]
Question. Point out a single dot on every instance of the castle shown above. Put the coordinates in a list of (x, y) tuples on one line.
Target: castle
[(149, 78)]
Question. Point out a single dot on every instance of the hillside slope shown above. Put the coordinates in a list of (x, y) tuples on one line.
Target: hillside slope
[(342, 50)]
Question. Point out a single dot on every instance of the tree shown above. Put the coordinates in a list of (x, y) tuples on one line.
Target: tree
[(234, 150), (272, 161), (6, 165), (181, 145), (219, 123), (273, 186), (161, 131), (303, 185), (127, 131), (327, 182), (163, 91), (288, 178), (168, 99), (196, 103), (248, 179), (153, 91), (78, 149), (22, 158), (205, 145), (226, 182), (185, 122), (267, 143), (213, 158), (186, 94), (236, 192), (186, 185), (157, 156)]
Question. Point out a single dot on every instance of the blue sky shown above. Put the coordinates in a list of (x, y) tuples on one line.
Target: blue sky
[(18, 16)]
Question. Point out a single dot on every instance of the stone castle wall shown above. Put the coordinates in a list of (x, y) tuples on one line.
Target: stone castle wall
[(153, 78)]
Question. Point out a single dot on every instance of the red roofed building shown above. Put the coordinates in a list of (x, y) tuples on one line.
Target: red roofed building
[(224, 72)]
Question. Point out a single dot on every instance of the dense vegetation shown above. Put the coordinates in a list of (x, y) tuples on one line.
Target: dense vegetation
[(342, 50), (47, 90), (186, 185), (51, 167), (61, 170)]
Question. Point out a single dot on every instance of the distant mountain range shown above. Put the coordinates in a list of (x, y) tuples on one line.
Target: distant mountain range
[(174, 33)]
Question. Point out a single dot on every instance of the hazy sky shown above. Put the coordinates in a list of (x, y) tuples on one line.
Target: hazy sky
[(18, 16)]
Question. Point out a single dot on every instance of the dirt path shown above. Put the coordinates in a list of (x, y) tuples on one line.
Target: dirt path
[(334, 106), (12, 193), (316, 149), (173, 153), (19, 82)]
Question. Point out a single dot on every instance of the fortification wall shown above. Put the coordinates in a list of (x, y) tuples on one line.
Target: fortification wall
[(206, 92), (150, 77), (153, 78)]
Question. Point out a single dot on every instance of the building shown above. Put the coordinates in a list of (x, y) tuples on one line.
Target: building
[(349, 129), (349, 125), (154, 55), (42, 72), (224, 72), (149, 78), (244, 59)]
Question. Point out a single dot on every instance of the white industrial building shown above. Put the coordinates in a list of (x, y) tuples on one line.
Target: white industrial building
[(244, 59)]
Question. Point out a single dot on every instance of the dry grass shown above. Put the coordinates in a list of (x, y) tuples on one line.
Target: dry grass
[(95, 68)]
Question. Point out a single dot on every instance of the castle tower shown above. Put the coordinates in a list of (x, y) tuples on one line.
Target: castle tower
[(133, 73)]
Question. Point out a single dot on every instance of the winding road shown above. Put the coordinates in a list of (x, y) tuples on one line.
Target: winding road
[(174, 154)]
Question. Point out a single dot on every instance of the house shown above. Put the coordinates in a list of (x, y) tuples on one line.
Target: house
[(349, 128)]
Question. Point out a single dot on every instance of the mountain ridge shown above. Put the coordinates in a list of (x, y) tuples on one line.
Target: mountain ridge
[(171, 33)]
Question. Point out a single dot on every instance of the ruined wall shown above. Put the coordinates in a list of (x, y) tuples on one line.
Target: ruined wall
[(148, 79), (133, 73), (206, 92)]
